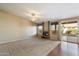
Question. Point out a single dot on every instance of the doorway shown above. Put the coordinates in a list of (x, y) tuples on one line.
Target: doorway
[(69, 31)]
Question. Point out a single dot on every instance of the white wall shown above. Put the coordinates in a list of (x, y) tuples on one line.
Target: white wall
[(15, 28)]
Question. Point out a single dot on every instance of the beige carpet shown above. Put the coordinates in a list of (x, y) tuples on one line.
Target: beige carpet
[(28, 47)]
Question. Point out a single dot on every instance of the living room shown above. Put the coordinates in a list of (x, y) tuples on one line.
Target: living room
[(33, 30)]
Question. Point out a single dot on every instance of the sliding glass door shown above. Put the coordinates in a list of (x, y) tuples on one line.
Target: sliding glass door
[(69, 31)]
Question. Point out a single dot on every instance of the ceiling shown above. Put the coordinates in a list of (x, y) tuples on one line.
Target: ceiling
[(42, 11)]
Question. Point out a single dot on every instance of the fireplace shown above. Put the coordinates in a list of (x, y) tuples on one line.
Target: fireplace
[(45, 34)]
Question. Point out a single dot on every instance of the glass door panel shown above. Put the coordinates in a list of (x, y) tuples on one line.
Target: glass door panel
[(69, 31)]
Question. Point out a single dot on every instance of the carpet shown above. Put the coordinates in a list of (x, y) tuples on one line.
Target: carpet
[(28, 47)]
